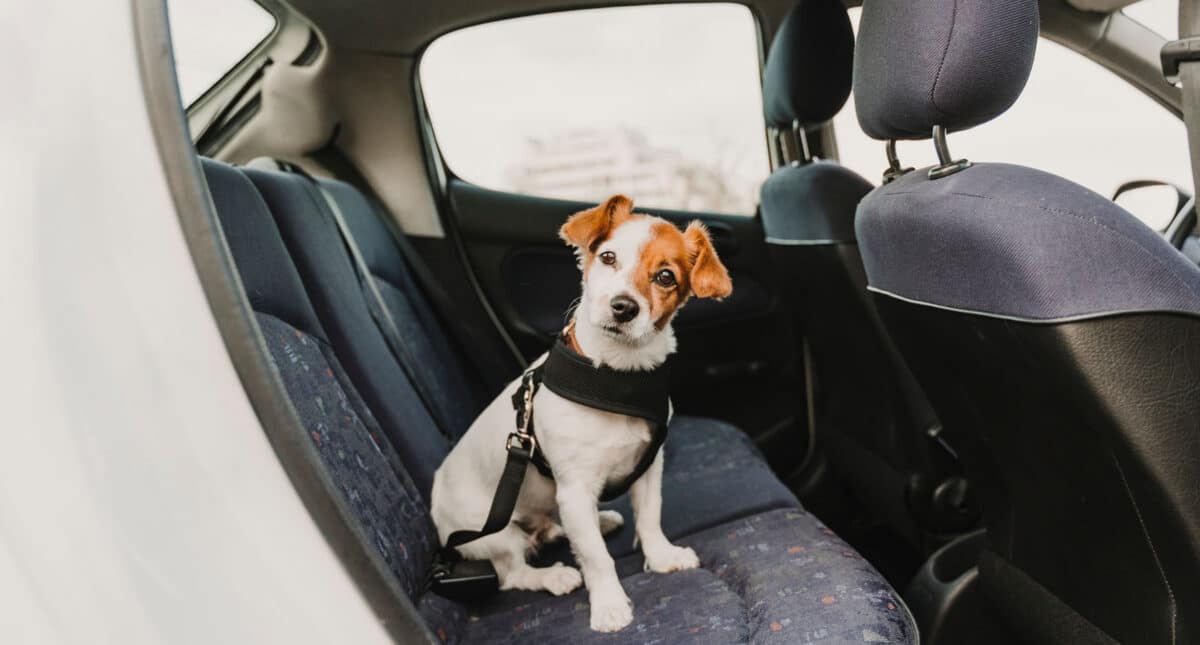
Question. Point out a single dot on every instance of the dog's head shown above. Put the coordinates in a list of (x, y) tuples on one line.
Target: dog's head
[(638, 270)]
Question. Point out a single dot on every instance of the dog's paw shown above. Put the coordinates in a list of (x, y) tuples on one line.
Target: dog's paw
[(611, 614), (610, 521), (671, 558), (561, 579)]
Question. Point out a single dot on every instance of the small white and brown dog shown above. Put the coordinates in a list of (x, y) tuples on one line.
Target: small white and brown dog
[(638, 270)]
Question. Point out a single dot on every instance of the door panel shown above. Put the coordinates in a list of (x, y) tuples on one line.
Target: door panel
[(737, 358)]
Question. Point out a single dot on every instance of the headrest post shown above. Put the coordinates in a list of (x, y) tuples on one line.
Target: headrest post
[(800, 138), (948, 166), (894, 170), (777, 142)]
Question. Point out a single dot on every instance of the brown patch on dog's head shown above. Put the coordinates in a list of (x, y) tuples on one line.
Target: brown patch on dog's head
[(676, 265), (709, 277), (587, 229)]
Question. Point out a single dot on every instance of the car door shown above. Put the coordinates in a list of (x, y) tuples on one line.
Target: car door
[(582, 105)]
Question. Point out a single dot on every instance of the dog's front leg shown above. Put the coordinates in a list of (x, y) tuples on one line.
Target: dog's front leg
[(611, 609), (646, 495)]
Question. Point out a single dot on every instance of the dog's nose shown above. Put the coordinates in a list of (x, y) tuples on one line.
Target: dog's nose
[(624, 308)]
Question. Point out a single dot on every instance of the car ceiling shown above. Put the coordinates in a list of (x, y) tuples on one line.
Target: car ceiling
[(403, 27)]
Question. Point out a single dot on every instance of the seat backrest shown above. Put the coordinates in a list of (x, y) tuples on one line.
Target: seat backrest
[(454, 385), (328, 275), (355, 460), (1054, 332), (870, 414)]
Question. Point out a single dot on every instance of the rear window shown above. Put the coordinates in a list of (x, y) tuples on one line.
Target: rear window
[(210, 37), (660, 102)]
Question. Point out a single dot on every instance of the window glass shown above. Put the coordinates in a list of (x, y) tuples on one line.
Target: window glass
[(1160, 15), (1075, 119), (210, 37), (662, 103)]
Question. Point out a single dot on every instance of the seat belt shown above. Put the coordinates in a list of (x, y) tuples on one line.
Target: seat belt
[(492, 369), (1181, 62), (380, 312)]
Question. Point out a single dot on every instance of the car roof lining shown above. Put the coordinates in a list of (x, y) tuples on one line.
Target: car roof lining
[(405, 27)]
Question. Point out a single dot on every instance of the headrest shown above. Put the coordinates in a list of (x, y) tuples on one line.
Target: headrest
[(808, 70), (1102, 6), (953, 63)]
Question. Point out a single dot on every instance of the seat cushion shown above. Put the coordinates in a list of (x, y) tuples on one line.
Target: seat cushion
[(712, 473), (775, 577)]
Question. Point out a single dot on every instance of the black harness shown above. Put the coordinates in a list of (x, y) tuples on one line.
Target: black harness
[(642, 394)]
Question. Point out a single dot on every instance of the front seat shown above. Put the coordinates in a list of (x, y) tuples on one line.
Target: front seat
[(1052, 328), (873, 422)]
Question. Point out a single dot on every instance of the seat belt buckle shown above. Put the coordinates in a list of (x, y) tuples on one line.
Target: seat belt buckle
[(463, 580), (1177, 52)]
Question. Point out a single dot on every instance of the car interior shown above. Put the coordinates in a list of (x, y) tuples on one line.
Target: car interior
[(950, 404)]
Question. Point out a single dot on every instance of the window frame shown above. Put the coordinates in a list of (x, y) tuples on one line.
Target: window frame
[(439, 171), (244, 63)]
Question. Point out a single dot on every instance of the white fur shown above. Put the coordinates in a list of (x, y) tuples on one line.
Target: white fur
[(588, 448)]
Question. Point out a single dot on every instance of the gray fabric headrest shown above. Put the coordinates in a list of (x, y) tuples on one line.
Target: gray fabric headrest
[(808, 71), (953, 63)]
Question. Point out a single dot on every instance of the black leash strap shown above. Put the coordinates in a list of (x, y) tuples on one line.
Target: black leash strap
[(454, 577), (521, 447)]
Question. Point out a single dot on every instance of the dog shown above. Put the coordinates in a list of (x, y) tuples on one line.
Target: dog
[(638, 270)]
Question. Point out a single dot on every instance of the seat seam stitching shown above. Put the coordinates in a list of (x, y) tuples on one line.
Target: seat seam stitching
[(1154, 552), (941, 63), (1113, 232)]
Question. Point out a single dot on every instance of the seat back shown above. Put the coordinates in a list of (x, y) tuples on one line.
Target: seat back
[(312, 239), (870, 415), (352, 456), (1053, 331)]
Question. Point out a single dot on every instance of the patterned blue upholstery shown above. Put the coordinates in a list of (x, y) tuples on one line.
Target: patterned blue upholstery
[(776, 577), (381, 501)]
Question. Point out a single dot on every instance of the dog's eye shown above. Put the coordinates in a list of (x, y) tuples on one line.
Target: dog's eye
[(665, 278), (608, 257)]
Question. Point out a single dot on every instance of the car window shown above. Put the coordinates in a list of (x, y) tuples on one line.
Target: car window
[(210, 37), (1160, 15), (1075, 119), (661, 102)]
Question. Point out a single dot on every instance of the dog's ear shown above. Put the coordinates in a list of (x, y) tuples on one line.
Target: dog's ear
[(585, 228), (708, 277)]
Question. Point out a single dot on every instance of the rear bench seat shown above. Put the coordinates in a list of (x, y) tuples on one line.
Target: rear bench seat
[(770, 572)]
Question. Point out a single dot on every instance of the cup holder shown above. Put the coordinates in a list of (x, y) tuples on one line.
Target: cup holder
[(944, 595)]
